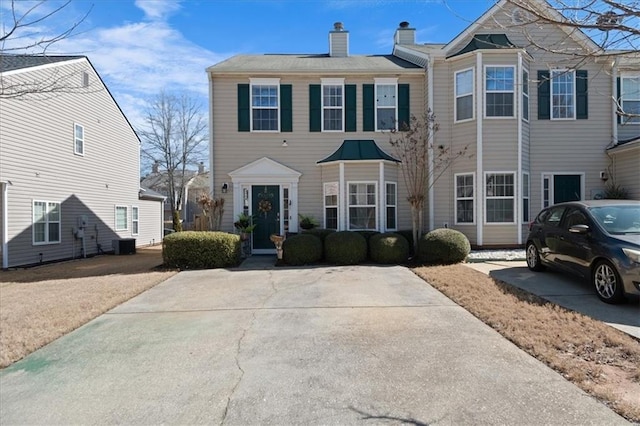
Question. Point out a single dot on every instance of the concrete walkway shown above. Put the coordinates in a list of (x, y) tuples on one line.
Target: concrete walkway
[(263, 345)]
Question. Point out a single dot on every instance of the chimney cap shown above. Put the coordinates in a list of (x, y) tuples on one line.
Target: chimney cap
[(404, 24), (338, 26)]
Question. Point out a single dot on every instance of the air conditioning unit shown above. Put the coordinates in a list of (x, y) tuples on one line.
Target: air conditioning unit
[(124, 246)]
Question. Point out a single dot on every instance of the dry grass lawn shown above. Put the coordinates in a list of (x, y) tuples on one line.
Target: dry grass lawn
[(38, 305), (601, 360)]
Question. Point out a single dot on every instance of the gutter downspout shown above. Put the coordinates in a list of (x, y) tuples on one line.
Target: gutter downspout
[(4, 186), (430, 137), (614, 106), (211, 168), (480, 183), (519, 188)]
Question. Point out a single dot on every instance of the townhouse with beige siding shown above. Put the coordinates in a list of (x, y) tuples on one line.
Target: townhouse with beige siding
[(69, 165), (309, 133)]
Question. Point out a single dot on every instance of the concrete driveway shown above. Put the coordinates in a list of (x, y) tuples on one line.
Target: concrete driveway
[(332, 345), (567, 291)]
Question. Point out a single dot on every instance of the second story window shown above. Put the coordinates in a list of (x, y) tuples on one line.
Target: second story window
[(464, 95), (386, 103), (499, 83), (563, 95), (264, 105), (525, 95), (332, 105), (78, 139), (630, 99)]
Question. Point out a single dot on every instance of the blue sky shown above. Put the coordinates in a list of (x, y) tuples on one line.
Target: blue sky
[(141, 47)]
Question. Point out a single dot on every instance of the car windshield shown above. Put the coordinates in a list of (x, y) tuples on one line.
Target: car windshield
[(618, 219)]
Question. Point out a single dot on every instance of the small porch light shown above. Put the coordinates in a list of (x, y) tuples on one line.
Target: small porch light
[(225, 187)]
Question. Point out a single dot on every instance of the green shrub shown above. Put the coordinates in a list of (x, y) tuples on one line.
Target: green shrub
[(389, 248), (319, 232), (201, 250), (367, 234), (345, 248), (302, 249), (443, 246), (408, 234)]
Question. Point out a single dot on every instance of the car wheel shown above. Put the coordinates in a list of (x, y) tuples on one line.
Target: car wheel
[(533, 258), (607, 283)]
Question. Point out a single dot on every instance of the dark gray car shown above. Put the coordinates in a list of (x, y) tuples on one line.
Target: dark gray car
[(598, 240)]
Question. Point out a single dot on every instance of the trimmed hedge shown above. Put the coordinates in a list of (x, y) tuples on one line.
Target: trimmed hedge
[(302, 249), (408, 234), (319, 232), (201, 250), (443, 246), (345, 248), (389, 248)]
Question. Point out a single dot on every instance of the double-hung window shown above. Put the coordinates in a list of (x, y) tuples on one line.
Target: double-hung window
[(386, 103), (331, 205), (465, 198), (391, 205), (499, 87), (630, 99), (135, 221), (46, 222), (464, 95), (333, 105), (362, 205), (499, 190), (78, 139), (525, 95), (525, 197), (563, 94), (265, 101), (122, 218)]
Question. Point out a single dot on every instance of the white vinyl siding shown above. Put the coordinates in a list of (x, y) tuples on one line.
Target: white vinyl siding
[(122, 218), (463, 104), (499, 91), (46, 222), (391, 205), (135, 220), (630, 98), (465, 199), (265, 103), (525, 95), (78, 139), (331, 196), (362, 210), (386, 103), (563, 94), (332, 105), (500, 197)]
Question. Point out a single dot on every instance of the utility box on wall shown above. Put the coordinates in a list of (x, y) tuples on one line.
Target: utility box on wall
[(124, 246)]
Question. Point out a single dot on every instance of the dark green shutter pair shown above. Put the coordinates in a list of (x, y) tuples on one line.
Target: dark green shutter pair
[(315, 108), (544, 95), (244, 105), (369, 107)]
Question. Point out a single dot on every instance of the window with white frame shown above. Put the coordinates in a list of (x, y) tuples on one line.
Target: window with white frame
[(332, 105), (391, 205), (499, 91), (265, 105), (135, 221), (331, 205), (78, 139), (525, 197), (465, 198), (464, 95), (362, 205), (630, 99), (563, 94), (525, 95), (122, 218), (546, 191), (386, 103), (46, 222), (500, 197)]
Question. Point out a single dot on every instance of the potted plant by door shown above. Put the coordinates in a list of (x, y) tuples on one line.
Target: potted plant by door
[(307, 222), (244, 225)]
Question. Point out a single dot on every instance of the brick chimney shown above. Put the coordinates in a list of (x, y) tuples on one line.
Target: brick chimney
[(154, 168), (338, 41), (405, 35), (201, 168)]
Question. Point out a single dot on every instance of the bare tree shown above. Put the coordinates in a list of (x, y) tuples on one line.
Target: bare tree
[(422, 163), (174, 137)]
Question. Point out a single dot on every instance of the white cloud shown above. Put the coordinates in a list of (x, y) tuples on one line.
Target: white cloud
[(158, 9)]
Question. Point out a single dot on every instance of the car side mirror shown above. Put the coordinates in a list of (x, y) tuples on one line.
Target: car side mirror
[(579, 229)]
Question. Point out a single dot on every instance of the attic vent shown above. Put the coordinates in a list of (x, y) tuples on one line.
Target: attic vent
[(85, 79)]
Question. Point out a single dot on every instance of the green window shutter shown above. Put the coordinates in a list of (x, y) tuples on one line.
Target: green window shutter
[(368, 108), (404, 114), (350, 108), (544, 96), (619, 98), (286, 119), (582, 98), (244, 124), (315, 108)]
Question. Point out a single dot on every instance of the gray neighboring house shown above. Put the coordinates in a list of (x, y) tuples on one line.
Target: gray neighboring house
[(69, 166), (308, 133)]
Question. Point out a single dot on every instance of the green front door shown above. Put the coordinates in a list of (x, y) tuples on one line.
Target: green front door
[(266, 214), (566, 188)]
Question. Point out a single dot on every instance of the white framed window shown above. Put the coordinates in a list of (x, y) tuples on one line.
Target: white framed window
[(135, 220), (499, 197), (331, 196), (386, 103), (265, 104), (525, 197), (332, 105), (546, 191), (78, 139), (391, 204), (563, 94), (525, 95), (465, 198), (630, 98), (499, 91), (464, 86), (362, 205), (122, 218), (46, 222)]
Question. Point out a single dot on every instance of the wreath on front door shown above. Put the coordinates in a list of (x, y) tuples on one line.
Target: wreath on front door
[(264, 206)]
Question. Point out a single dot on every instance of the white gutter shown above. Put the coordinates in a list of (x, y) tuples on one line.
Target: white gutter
[(211, 168), (342, 199), (4, 186), (480, 183), (518, 180), (430, 140), (614, 104)]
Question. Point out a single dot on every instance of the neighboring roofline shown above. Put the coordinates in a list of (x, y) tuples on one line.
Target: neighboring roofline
[(323, 71), (625, 146), (149, 194), (69, 61)]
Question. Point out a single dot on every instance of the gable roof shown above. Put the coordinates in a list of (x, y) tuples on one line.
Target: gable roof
[(19, 62), (486, 41), (358, 150)]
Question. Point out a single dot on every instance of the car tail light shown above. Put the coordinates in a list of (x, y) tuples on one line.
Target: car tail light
[(531, 224)]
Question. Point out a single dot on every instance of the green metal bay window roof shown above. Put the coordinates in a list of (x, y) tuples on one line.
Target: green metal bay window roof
[(358, 150), (486, 41)]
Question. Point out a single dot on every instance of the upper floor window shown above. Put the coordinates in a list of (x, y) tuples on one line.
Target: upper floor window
[(46, 222), (563, 94), (525, 95), (464, 95), (264, 106), (332, 105), (630, 99), (499, 84), (78, 139), (386, 103)]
